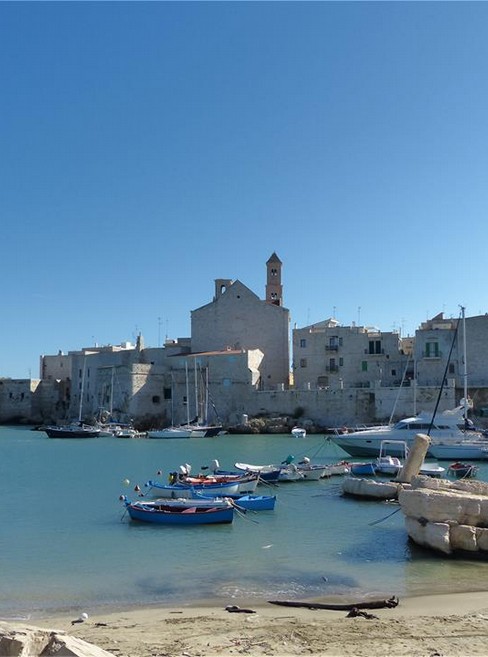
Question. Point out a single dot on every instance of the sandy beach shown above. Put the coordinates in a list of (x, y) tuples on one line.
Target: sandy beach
[(447, 625)]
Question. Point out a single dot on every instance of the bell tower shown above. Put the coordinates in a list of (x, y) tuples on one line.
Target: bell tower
[(274, 289)]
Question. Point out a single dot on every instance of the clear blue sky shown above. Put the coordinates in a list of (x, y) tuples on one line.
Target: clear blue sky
[(149, 148)]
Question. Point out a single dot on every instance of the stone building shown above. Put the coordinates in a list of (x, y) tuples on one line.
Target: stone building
[(237, 319), (327, 354), (237, 362)]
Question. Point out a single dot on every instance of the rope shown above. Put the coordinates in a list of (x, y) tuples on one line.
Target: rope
[(376, 522)]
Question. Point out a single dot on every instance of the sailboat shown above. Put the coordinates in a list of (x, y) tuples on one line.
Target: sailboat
[(76, 429), (184, 431)]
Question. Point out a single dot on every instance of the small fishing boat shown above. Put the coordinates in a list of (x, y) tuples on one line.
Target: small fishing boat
[(247, 483), (179, 512), (255, 502), (246, 502), (387, 463), (462, 470), (432, 469), (186, 490), (362, 469), (311, 471), (337, 469), (268, 474), (298, 432)]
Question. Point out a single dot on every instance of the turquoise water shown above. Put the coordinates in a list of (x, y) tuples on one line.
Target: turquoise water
[(66, 543)]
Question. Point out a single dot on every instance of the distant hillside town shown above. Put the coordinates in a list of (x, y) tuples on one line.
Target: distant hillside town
[(243, 365)]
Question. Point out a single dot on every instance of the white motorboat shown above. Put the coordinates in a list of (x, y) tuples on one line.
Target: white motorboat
[(388, 464), (298, 432), (460, 451), (446, 428)]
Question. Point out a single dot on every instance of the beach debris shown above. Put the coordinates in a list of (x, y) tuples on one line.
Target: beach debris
[(81, 618), (239, 610), (373, 604), (356, 612)]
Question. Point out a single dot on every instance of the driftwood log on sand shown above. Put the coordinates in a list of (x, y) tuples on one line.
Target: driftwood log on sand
[(373, 604)]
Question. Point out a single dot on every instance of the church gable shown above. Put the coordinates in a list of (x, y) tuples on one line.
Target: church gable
[(235, 291)]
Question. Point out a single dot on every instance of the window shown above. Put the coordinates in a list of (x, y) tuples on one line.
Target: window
[(341, 362), (303, 362), (156, 399), (452, 369), (274, 271), (364, 366), (167, 393), (432, 350), (303, 343), (375, 346)]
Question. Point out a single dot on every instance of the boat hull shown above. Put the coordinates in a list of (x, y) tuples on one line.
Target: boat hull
[(186, 491), (67, 432), (162, 514)]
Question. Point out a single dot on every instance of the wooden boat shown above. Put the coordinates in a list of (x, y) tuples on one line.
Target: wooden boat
[(267, 475), (462, 470), (287, 471), (186, 490), (311, 471), (178, 512), (337, 469), (246, 502), (247, 483), (255, 502), (363, 469)]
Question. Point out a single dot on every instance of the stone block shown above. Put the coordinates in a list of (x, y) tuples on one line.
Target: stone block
[(431, 535), (463, 537)]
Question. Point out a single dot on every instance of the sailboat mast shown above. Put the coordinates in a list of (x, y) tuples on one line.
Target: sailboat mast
[(187, 396), (196, 390), (111, 392), (82, 390), (465, 366)]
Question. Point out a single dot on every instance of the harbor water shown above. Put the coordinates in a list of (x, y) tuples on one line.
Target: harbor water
[(66, 542)]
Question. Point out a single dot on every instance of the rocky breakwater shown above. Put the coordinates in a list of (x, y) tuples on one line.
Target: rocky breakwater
[(448, 517)]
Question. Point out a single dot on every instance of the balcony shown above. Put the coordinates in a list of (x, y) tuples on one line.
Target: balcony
[(331, 347), (331, 368)]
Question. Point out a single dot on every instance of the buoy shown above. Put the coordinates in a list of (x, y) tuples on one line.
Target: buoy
[(160, 472), (137, 489), (126, 482)]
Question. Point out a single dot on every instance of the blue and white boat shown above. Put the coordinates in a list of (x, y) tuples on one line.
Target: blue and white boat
[(246, 502), (180, 512), (187, 490)]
